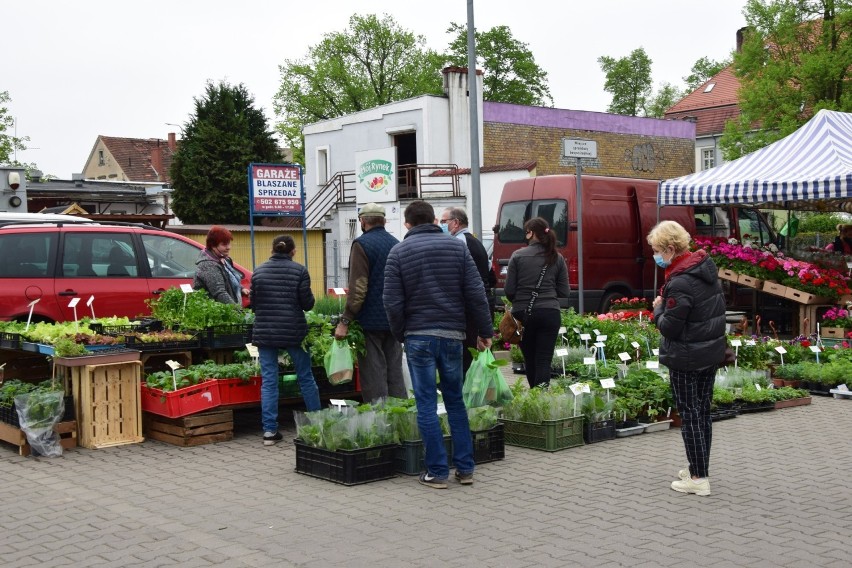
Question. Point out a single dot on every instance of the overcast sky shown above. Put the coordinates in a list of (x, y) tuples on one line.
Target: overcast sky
[(76, 70)]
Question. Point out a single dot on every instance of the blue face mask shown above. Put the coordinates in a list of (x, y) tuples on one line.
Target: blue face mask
[(658, 258), (444, 227)]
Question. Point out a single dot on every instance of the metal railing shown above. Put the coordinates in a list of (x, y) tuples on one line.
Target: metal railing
[(415, 181)]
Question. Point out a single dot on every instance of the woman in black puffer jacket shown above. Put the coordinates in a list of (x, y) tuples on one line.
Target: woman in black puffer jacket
[(690, 314), (281, 293)]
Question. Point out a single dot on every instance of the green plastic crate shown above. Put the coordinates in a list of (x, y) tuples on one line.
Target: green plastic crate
[(550, 435)]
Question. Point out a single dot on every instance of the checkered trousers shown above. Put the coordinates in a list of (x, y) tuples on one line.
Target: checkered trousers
[(693, 392)]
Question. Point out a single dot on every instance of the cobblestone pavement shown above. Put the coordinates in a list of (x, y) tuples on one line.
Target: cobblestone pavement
[(778, 480)]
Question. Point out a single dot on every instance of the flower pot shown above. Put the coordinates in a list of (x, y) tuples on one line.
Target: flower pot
[(778, 383), (794, 384)]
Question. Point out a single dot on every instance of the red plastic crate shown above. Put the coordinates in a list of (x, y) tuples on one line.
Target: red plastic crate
[(181, 402), (238, 391)]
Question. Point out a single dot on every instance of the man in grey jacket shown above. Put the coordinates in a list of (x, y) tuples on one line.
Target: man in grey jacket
[(431, 288)]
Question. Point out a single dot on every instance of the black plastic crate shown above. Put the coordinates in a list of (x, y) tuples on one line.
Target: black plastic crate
[(9, 414), (489, 445), (133, 342), (598, 431), (346, 467), (226, 336), (10, 340), (142, 326)]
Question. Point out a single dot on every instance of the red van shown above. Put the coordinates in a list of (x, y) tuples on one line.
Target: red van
[(618, 214)]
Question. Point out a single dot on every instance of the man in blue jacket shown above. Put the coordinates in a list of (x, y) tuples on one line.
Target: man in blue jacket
[(431, 287)]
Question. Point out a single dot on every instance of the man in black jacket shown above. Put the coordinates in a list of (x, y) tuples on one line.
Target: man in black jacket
[(455, 219)]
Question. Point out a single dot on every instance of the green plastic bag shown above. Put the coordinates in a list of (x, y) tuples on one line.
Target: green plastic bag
[(484, 383), (338, 362)]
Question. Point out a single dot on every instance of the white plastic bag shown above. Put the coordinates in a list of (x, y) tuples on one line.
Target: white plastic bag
[(38, 413)]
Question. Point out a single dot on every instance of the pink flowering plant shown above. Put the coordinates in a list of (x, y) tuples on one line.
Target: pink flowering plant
[(837, 317), (626, 303), (763, 263)]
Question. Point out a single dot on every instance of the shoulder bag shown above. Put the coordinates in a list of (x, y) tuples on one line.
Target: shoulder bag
[(512, 330)]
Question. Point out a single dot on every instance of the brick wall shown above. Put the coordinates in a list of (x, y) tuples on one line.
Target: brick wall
[(624, 155)]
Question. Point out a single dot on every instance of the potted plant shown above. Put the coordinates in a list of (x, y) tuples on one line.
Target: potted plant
[(836, 322)]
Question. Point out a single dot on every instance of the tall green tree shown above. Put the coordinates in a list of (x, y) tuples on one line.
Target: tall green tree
[(795, 60), (209, 170), (659, 102), (510, 73), (702, 70), (628, 80), (9, 143), (371, 63)]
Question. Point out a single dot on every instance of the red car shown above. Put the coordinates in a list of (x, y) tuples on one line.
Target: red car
[(120, 266)]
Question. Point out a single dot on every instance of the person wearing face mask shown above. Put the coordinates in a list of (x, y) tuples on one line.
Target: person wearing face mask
[(535, 280), (214, 269), (381, 366), (690, 315)]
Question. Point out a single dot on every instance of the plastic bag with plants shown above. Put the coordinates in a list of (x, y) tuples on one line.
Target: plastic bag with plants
[(482, 418), (38, 412)]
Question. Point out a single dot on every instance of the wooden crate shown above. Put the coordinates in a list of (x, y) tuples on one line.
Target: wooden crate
[(728, 274), (107, 403), (804, 297), (67, 436), (196, 430), (750, 281)]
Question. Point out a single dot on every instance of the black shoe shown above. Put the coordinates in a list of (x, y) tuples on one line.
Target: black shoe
[(464, 478), (433, 482), (270, 439)]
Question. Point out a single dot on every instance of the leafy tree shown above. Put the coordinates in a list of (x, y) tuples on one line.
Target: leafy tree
[(666, 97), (511, 74), (796, 59), (702, 70), (209, 169), (9, 143), (371, 63), (628, 79)]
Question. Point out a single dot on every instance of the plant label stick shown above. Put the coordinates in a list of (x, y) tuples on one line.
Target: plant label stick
[(30, 316), (174, 366), (73, 305), (186, 289)]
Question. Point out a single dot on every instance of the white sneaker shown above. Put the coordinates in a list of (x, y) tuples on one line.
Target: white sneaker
[(689, 485), (684, 473)]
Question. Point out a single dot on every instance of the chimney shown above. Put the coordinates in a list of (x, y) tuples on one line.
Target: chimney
[(740, 38), (157, 161), (77, 179), (172, 142)]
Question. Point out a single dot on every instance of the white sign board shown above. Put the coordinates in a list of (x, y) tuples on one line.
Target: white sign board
[(573, 148), (376, 175)]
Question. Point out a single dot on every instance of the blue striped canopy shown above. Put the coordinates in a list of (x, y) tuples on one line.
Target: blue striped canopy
[(809, 169)]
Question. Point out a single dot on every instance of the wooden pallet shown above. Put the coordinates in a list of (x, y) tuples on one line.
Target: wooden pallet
[(194, 430), (67, 436)]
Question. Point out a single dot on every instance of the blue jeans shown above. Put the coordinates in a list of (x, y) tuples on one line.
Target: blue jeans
[(426, 354), (269, 393)]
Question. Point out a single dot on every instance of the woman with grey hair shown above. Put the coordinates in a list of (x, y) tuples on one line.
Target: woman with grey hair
[(690, 315)]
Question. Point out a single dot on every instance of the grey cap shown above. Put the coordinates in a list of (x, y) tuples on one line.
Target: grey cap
[(372, 210)]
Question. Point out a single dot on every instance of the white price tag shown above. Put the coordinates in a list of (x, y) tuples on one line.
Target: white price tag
[(562, 330), (186, 288), (602, 338), (576, 330), (815, 349), (561, 352), (588, 360), (750, 342), (337, 403), (586, 388), (596, 332), (73, 303), (758, 387), (585, 336), (608, 383), (652, 364), (622, 336), (90, 300), (624, 357), (635, 344), (252, 351), (780, 349), (339, 291), (173, 365), (736, 343), (577, 388), (441, 408), (599, 344), (656, 352)]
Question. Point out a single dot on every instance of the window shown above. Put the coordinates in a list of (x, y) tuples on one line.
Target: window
[(514, 215), (25, 255), (101, 157), (97, 255), (170, 258), (709, 87), (708, 158), (322, 166)]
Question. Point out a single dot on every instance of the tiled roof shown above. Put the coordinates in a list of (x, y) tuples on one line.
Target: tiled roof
[(133, 156), (724, 93), (708, 121)]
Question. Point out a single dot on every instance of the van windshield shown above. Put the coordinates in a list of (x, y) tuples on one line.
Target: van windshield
[(513, 216)]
